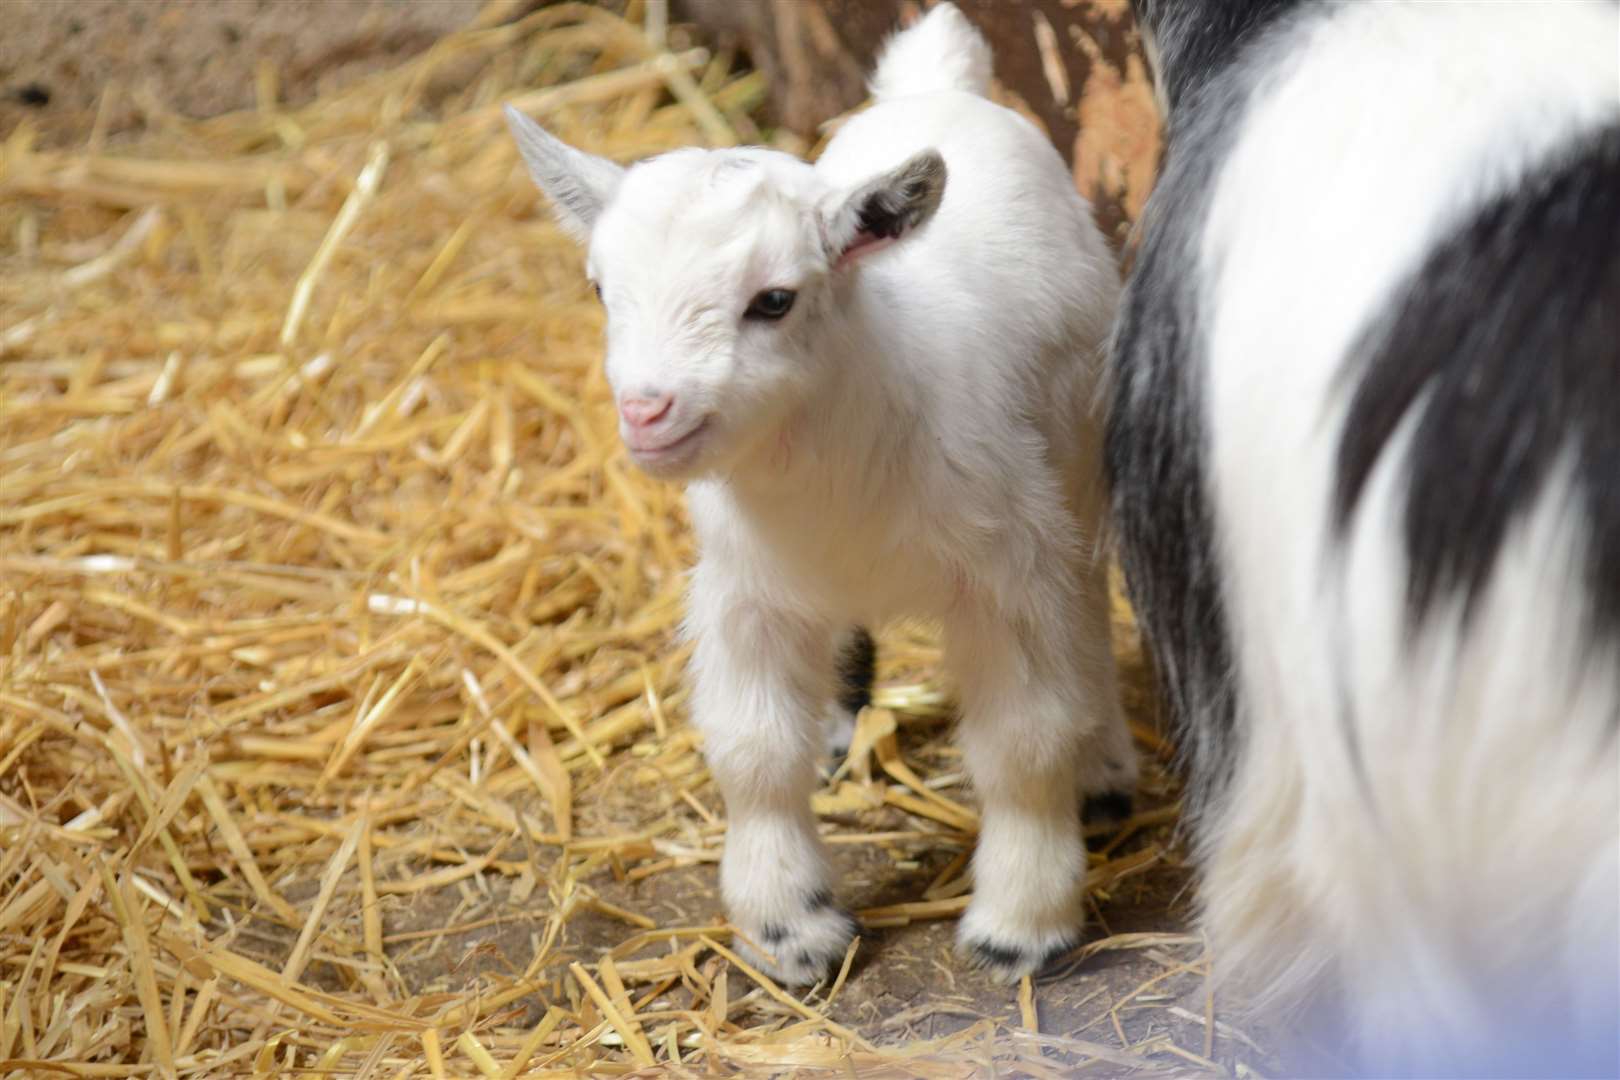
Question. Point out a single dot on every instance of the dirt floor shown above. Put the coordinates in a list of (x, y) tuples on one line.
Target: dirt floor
[(907, 982), (60, 59)]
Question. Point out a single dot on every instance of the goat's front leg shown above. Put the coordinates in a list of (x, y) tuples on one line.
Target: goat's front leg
[(1027, 717), (762, 679)]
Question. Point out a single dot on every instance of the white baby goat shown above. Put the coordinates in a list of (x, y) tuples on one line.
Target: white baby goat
[(877, 376)]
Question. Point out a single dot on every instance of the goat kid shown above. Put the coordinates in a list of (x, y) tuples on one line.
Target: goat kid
[(1365, 456), (878, 377)]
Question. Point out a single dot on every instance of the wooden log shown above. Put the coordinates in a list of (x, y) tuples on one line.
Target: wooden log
[(1073, 66)]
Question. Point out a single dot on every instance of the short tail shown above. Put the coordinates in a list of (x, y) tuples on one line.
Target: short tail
[(941, 52)]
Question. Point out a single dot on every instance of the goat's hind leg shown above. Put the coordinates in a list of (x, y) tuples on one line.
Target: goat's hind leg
[(1108, 763), (857, 668), (1026, 720)]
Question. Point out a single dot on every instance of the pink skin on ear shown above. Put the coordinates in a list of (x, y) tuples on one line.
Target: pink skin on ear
[(863, 245)]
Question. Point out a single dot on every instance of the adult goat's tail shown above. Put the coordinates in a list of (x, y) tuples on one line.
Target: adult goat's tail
[(941, 52)]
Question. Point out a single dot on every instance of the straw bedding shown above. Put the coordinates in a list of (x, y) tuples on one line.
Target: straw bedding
[(334, 622)]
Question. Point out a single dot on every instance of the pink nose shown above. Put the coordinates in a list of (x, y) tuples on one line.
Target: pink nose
[(641, 411)]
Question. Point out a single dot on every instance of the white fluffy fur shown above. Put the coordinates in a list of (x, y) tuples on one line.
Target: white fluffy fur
[(918, 436), (941, 53), (1440, 893)]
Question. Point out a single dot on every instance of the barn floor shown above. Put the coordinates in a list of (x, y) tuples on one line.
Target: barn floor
[(341, 719)]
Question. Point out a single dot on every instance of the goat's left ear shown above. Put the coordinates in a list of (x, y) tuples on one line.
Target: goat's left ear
[(884, 209), (579, 185)]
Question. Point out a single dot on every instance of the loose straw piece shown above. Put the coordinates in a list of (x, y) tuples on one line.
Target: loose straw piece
[(602, 87), (140, 958), (687, 92), (238, 847), (1026, 1005), (433, 1052), (120, 253), (294, 967), (475, 633), (480, 1057), (549, 775), (365, 186), (776, 992), (627, 1027)]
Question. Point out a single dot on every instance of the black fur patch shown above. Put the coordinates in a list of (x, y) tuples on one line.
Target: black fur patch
[(857, 669), (1506, 345), (1107, 808), (900, 200), (1154, 453), (1157, 440), (773, 934), (990, 954), (819, 900), (1055, 954)]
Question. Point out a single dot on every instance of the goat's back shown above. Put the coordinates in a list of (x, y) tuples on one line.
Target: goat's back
[(1011, 254)]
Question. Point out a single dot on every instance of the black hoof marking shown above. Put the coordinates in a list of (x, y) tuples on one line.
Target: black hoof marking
[(810, 946), (1055, 956), (1011, 959), (989, 954), (1108, 808), (820, 960)]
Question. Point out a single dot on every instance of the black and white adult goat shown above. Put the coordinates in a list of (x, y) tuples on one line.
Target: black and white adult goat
[(1365, 455)]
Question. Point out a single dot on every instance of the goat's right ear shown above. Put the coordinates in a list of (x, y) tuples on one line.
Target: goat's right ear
[(885, 208), (579, 185)]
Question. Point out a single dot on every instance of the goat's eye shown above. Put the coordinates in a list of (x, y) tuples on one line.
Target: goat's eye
[(598, 287), (771, 304)]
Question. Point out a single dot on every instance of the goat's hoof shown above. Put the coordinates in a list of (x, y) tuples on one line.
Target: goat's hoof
[(806, 949), (837, 735), (1010, 962)]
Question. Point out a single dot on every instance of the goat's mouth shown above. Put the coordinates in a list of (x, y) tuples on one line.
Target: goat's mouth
[(672, 453)]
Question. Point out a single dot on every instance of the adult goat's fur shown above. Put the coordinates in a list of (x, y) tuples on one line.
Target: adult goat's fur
[(1365, 458)]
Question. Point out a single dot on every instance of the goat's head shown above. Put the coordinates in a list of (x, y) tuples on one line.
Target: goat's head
[(719, 271)]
